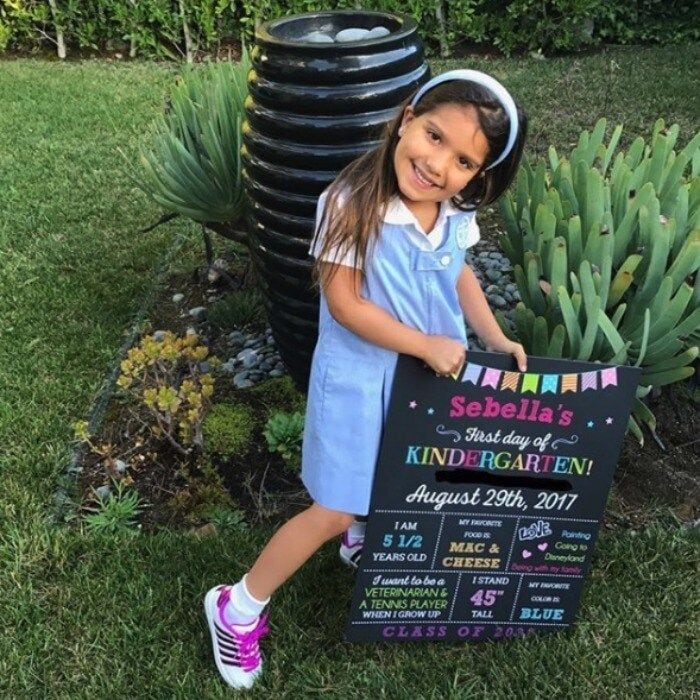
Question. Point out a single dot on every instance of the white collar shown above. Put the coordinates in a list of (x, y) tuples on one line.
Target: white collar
[(398, 213)]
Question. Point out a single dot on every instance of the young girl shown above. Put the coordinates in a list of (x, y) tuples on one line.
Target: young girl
[(391, 236)]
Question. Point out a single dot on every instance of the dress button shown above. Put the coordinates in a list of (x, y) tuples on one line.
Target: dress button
[(445, 260)]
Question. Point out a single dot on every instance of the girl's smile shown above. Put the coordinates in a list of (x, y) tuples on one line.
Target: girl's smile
[(437, 154)]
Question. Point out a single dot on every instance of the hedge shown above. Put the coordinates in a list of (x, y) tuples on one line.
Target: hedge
[(190, 28)]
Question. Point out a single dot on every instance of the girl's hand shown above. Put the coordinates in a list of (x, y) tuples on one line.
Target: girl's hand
[(503, 344), (443, 354)]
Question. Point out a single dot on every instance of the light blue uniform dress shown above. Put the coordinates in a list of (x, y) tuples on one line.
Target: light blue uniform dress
[(413, 276)]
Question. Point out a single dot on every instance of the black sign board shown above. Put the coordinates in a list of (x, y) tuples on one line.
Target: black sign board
[(489, 491)]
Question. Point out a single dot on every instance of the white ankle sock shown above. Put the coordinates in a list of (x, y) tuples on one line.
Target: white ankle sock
[(242, 608), (357, 530)]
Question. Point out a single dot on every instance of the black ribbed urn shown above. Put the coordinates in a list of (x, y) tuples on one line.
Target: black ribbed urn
[(312, 109)]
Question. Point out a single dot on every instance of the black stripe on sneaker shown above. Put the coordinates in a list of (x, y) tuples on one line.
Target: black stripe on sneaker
[(355, 557)]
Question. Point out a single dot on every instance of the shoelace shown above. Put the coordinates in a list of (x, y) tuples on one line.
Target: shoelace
[(247, 641)]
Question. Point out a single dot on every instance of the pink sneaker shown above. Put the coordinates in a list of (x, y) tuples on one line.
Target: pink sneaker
[(236, 647), (351, 550)]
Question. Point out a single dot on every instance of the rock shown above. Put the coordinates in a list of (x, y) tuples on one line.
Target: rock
[(499, 301), (378, 32), (228, 366), (236, 337), (276, 372), (495, 255), (494, 275), (120, 465), (199, 313), (243, 384), (492, 289), (317, 38), (351, 34), (249, 358), (204, 367), (253, 342), (103, 492), (245, 353), (177, 298), (202, 531), (159, 336)]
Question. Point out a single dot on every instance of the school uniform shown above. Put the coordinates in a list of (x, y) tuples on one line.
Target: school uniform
[(413, 276)]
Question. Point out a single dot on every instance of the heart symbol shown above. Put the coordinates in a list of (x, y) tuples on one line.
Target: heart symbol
[(526, 553), (542, 546)]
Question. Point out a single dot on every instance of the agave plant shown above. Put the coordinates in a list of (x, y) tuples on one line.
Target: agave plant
[(190, 159), (606, 258)]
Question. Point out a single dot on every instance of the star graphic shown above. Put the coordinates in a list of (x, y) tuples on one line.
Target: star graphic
[(413, 404), (431, 411), (609, 420), (590, 424)]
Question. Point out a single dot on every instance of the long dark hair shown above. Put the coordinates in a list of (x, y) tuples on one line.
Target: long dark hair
[(357, 199)]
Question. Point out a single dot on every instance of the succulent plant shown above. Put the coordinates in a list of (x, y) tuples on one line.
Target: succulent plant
[(190, 159), (606, 254)]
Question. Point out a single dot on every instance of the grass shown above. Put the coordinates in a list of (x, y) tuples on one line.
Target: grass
[(86, 615)]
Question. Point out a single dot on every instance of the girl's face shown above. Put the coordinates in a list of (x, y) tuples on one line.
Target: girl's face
[(439, 152)]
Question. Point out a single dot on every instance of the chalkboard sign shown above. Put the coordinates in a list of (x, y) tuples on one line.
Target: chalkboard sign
[(488, 494)]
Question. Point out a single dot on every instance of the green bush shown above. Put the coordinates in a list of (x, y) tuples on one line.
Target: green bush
[(191, 158), (279, 393), (284, 432), (606, 251), (228, 430), (156, 28), (238, 309)]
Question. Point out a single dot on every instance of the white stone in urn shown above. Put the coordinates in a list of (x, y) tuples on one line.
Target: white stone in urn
[(318, 38), (378, 32), (351, 34)]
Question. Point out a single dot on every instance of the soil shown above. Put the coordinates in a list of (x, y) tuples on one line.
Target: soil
[(654, 482)]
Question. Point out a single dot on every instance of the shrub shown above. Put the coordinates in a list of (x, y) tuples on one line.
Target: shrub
[(164, 378), (115, 513), (605, 251), (191, 158), (284, 432), (238, 310), (228, 430), (279, 393)]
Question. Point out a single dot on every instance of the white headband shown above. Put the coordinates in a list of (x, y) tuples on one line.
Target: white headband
[(491, 84)]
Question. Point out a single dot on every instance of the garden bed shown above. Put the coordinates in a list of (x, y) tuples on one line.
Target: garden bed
[(657, 481)]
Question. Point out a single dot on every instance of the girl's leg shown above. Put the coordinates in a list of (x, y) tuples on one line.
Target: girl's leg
[(292, 545)]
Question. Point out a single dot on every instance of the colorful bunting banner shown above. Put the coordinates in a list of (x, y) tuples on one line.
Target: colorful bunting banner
[(537, 383)]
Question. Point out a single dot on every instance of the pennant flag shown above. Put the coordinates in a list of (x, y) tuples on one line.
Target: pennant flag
[(549, 383), (568, 383), (491, 377), (471, 373), (510, 380), (588, 380), (608, 376), (530, 382)]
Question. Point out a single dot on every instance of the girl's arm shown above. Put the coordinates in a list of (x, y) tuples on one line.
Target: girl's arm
[(376, 325), (481, 319), (476, 308)]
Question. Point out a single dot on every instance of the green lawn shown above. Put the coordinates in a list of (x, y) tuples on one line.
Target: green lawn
[(93, 617)]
